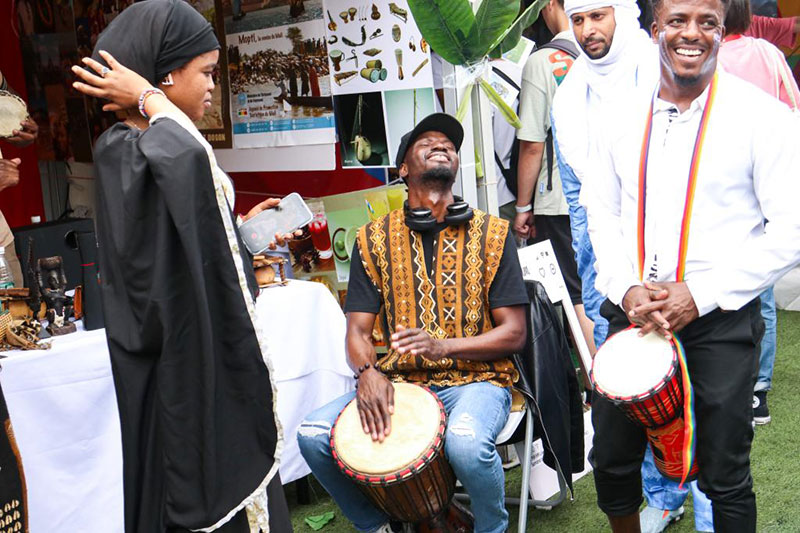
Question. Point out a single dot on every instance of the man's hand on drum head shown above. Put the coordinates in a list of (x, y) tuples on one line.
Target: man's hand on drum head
[(417, 342), (375, 396), (643, 307), (677, 308)]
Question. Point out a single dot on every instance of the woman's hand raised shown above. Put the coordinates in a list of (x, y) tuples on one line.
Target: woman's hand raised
[(116, 83)]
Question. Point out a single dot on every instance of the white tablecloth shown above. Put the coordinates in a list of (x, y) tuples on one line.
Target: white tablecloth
[(63, 408), (305, 330)]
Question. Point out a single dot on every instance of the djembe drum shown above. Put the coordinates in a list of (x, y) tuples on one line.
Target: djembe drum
[(407, 475), (641, 375)]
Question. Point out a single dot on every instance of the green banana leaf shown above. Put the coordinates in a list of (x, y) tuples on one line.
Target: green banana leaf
[(464, 38), (509, 39), (461, 112), (446, 25), (491, 20)]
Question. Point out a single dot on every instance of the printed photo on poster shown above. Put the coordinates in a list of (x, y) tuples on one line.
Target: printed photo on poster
[(279, 83), (216, 122), (347, 212), (406, 109), (362, 130), (374, 47)]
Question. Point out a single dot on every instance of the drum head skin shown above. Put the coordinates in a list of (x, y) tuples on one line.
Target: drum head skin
[(12, 112), (415, 426), (627, 365)]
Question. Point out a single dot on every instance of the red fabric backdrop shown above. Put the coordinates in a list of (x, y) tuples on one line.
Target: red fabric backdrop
[(18, 203), (253, 187)]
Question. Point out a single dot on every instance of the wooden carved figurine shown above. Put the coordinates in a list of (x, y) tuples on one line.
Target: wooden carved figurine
[(52, 284)]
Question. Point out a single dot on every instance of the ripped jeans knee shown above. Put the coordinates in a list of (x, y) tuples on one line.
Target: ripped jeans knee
[(313, 437), (314, 433), (465, 442)]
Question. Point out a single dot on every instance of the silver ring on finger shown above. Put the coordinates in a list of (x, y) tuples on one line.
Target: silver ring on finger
[(104, 71)]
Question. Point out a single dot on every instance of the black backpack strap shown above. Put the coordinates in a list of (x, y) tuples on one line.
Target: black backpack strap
[(506, 78), (509, 174), (505, 171), (565, 45)]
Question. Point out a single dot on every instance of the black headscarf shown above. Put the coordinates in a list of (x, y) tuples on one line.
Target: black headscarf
[(155, 37)]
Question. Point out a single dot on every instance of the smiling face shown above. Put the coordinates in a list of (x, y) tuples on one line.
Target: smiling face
[(594, 30), (193, 84), (688, 33), (432, 158)]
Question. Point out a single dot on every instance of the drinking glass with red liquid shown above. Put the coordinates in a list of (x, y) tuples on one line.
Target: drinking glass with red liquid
[(320, 236)]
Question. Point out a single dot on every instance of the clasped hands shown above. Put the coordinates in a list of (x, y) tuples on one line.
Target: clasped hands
[(661, 307)]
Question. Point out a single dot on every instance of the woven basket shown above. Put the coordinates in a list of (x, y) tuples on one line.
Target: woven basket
[(5, 325)]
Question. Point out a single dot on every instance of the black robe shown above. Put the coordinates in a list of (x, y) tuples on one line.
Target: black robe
[(199, 435)]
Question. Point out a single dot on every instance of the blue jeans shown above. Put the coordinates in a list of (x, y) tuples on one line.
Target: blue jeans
[(662, 493), (769, 342), (476, 413), (584, 253)]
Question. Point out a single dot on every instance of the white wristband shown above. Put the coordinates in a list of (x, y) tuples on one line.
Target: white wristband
[(523, 209)]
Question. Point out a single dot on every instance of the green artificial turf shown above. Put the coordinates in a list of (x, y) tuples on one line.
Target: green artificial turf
[(775, 464)]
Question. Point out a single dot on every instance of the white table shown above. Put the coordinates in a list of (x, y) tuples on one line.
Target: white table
[(63, 408)]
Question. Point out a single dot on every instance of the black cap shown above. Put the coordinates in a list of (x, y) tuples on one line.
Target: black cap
[(441, 122)]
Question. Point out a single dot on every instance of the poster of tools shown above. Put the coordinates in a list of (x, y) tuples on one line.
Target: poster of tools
[(381, 77), (279, 84), (375, 46)]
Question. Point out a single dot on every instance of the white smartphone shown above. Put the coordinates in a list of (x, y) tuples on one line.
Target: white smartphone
[(291, 214)]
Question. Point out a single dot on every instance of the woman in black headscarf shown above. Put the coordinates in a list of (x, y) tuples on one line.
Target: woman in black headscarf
[(199, 436)]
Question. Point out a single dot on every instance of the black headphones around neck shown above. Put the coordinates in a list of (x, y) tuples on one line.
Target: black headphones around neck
[(421, 218)]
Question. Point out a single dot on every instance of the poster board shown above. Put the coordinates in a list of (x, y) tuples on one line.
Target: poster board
[(280, 89), (54, 35), (348, 212), (381, 78)]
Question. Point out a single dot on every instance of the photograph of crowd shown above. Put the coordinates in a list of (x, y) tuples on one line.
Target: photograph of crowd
[(279, 79), (296, 77)]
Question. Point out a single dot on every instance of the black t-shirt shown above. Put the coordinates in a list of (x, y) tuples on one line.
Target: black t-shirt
[(507, 288)]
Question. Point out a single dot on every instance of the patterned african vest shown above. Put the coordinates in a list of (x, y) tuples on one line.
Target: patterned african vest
[(454, 304)]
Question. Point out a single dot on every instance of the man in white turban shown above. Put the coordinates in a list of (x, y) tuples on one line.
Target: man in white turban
[(618, 56)]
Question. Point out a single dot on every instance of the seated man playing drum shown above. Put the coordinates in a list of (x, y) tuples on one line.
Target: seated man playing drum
[(449, 281)]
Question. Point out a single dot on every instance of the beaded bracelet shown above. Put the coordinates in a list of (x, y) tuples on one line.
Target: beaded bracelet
[(143, 98), (361, 370)]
